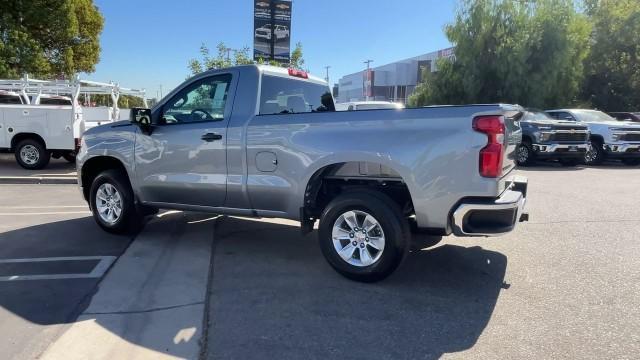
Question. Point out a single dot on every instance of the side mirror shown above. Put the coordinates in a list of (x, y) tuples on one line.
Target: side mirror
[(142, 118)]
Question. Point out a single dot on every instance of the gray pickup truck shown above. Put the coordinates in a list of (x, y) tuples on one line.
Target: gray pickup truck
[(545, 138), (263, 141)]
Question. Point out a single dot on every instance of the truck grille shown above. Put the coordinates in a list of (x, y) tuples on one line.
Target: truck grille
[(631, 137), (567, 136)]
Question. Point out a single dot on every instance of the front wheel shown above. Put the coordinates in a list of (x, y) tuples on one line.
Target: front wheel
[(363, 235), (524, 154), (31, 154), (112, 203), (594, 154)]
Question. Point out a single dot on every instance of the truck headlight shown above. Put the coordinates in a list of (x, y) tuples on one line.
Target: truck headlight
[(545, 136), (616, 137)]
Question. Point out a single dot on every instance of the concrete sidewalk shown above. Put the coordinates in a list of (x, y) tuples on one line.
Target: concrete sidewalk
[(59, 171), (151, 304)]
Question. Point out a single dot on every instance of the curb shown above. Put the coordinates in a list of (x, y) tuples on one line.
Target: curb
[(39, 180)]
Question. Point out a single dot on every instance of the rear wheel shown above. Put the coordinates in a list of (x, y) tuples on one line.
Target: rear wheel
[(31, 154), (112, 203), (524, 154), (594, 154), (363, 235), (631, 162), (70, 157)]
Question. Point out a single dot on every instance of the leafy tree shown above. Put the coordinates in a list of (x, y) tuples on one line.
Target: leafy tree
[(227, 57), (613, 67), (526, 52), (48, 37), (297, 61)]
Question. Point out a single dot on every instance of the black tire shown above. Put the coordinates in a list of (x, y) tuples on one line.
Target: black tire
[(631, 162), (389, 217), (130, 220), (39, 152), (595, 154), (70, 157), (524, 154), (569, 162)]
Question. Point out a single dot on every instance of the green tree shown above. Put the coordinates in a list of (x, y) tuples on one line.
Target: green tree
[(526, 52), (48, 37), (227, 57), (297, 61), (612, 79)]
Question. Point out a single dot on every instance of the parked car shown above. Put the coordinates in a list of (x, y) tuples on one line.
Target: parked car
[(264, 32), (367, 105), (544, 138), (609, 138), (626, 116), (265, 141)]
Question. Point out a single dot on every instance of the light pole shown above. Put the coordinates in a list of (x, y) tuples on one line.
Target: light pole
[(367, 74), (327, 69)]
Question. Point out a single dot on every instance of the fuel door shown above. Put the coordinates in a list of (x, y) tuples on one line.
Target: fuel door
[(266, 161)]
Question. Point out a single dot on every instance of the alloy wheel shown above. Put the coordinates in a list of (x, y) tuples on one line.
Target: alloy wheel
[(358, 238)]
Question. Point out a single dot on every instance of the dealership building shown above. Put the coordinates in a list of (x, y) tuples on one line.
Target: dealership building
[(391, 82)]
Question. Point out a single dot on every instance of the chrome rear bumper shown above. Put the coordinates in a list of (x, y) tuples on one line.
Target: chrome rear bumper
[(495, 217)]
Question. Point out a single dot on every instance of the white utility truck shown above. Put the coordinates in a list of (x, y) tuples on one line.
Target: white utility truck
[(40, 119)]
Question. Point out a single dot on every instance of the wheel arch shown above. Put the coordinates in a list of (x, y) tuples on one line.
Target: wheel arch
[(17, 138), (92, 167), (527, 138), (332, 177)]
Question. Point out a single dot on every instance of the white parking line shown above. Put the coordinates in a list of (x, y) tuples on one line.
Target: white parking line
[(99, 270), (46, 213), (45, 207)]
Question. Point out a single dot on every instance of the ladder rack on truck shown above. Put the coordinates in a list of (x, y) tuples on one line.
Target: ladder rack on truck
[(35, 131)]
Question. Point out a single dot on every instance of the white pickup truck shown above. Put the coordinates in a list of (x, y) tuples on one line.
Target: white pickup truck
[(35, 133), (37, 123)]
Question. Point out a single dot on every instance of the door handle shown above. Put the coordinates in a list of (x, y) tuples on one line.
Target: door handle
[(209, 137)]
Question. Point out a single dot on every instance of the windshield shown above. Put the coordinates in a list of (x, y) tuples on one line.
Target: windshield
[(592, 116), (534, 116)]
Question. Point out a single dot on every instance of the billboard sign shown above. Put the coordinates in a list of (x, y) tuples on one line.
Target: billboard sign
[(272, 30)]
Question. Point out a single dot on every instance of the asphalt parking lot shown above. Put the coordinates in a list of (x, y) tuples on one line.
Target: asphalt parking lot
[(565, 285)]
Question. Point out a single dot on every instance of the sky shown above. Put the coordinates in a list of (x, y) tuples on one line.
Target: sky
[(148, 43)]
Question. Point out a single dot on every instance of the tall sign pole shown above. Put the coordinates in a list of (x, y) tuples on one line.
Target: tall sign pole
[(272, 43), (368, 81)]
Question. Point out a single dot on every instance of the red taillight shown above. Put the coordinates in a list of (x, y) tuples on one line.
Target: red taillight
[(491, 155), (298, 73)]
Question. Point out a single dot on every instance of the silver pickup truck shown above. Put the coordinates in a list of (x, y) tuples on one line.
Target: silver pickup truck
[(263, 141)]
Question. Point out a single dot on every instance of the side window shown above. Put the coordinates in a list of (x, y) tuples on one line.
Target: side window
[(565, 116), (203, 100), (281, 95), (10, 99)]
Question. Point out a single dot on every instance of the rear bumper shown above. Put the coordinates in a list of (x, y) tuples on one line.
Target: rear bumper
[(492, 217), (558, 151)]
